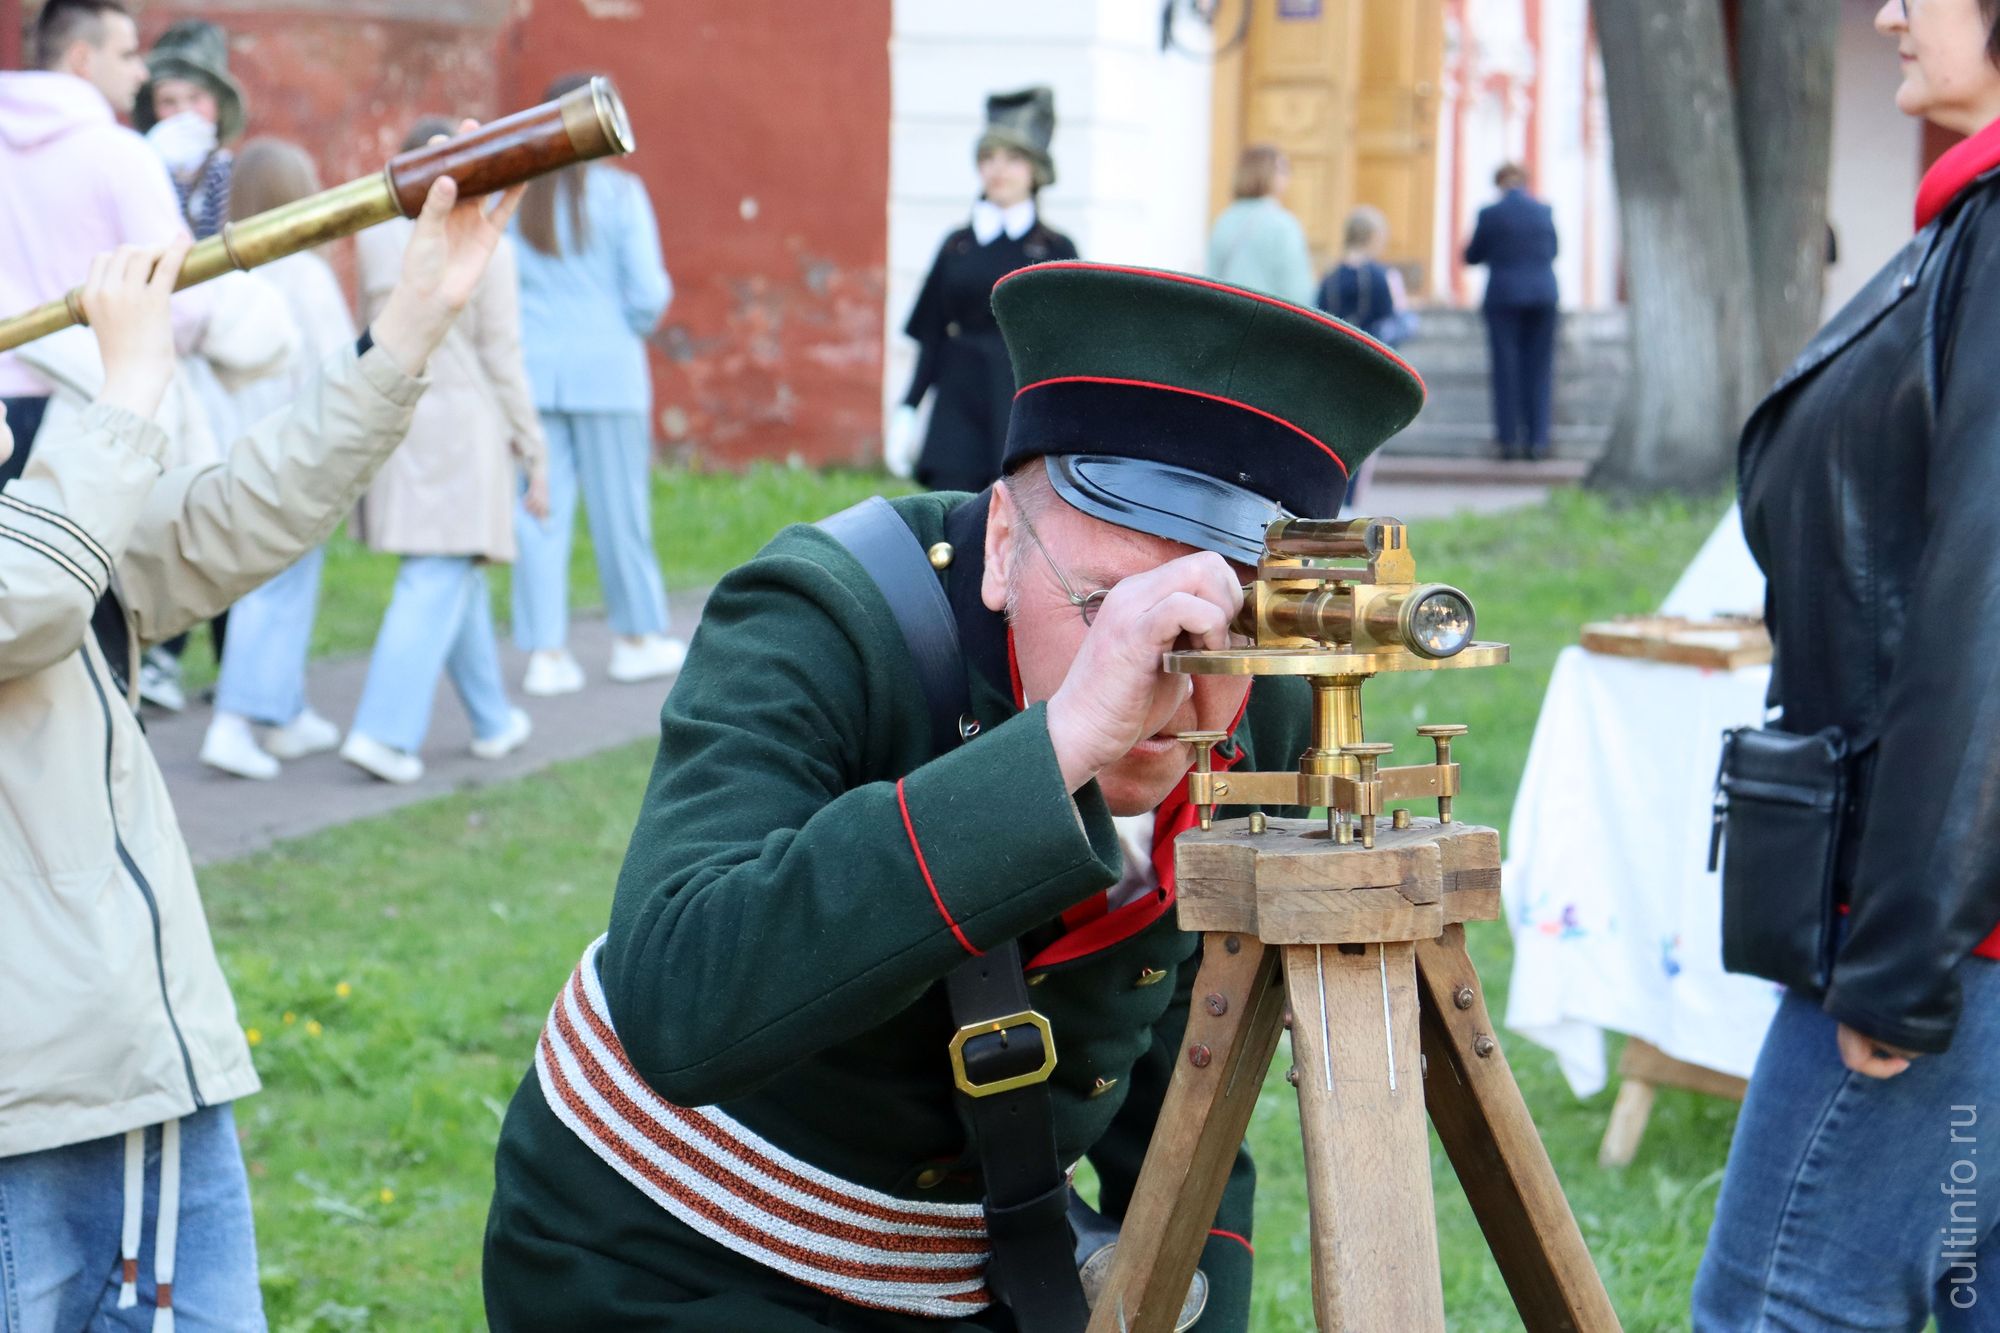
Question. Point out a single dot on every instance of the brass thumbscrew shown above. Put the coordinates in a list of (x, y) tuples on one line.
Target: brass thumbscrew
[(1440, 734), (1204, 743), (1368, 754)]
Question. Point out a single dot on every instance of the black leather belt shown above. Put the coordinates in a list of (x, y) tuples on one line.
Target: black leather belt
[(1003, 1050)]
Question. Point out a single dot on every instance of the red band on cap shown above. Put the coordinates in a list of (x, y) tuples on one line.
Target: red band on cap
[(1192, 393), (1347, 330)]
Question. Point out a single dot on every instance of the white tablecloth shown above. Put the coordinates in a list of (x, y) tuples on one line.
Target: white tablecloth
[(1616, 920)]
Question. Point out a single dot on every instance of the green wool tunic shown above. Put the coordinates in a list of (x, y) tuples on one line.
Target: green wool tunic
[(777, 948)]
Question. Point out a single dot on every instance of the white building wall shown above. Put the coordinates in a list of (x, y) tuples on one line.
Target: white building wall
[(1131, 142), (1877, 156)]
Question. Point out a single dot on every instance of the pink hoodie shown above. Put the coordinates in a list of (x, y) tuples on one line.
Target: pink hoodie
[(73, 184)]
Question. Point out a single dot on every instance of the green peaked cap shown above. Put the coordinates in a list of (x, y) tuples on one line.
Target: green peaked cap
[(1076, 321)]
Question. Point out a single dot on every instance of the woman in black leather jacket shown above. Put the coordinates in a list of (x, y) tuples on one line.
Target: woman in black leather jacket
[(1870, 483)]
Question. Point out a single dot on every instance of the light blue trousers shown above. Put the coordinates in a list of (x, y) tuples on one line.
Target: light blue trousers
[(439, 619), (270, 634), (609, 454), (61, 1216)]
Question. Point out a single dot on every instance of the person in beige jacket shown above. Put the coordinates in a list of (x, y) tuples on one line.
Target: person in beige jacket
[(120, 1050), (445, 504)]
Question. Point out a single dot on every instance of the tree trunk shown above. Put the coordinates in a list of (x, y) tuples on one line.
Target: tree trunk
[(1784, 123), (1687, 246)]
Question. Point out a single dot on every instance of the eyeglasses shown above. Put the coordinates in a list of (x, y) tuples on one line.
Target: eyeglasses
[(1086, 603)]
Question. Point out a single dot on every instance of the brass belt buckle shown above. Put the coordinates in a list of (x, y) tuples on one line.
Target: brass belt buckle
[(1027, 1018)]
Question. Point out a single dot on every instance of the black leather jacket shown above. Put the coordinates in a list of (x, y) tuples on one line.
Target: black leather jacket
[(1870, 481)]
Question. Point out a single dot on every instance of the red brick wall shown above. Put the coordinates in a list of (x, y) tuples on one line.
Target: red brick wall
[(763, 130)]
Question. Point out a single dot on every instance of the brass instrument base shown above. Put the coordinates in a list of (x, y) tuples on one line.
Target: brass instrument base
[(1367, 947)]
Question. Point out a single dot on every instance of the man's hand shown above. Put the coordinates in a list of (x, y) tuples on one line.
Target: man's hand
[(1116, 693), (1865, 1055), (446, 258), (125, 300)]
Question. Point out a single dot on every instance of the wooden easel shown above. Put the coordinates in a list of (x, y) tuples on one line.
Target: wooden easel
[(1367, 945)]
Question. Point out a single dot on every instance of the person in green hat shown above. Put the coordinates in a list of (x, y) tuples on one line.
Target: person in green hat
[(745, 1111), (191, 110), (959, 351)]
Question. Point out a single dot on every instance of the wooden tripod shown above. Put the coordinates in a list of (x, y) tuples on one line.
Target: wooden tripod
[(1367, 945)]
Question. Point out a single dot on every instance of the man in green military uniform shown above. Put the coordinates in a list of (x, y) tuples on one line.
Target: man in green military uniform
[(742, 1113)]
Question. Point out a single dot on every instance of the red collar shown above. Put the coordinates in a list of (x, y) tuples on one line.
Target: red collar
[(1961, 165)]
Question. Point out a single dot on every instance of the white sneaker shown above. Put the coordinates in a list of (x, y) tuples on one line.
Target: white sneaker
[(373, 757), (519, 728), (308, 733), (649, 659), (231, 746), (552, 672), (160, 680)]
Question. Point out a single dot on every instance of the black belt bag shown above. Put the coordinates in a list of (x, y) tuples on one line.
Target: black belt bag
[(1781, 804)]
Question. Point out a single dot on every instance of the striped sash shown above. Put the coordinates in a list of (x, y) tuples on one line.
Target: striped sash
[(745, 1193)]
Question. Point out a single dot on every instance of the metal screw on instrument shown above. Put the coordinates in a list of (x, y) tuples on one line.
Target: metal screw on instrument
[(1368, 754), (1204, 743), (1483, 1046), (1258, 822), (1440, 734), (1216, 1004), (1198, 1056), (1462, 997), (1401, 819)]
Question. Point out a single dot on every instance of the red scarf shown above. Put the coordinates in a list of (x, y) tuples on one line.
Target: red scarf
[(1962, 164)]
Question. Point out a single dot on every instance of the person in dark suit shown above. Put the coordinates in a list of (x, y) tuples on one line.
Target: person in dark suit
[(1516, 240), (960, 353)]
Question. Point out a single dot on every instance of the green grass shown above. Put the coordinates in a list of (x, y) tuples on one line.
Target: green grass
[(453, 923), (704, 524)]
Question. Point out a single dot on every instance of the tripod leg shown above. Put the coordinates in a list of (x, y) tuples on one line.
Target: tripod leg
[(1486, 1130), (1361, 1110), (1201, 1124)]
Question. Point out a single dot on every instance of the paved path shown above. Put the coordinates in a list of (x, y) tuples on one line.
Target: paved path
[(226, 817)]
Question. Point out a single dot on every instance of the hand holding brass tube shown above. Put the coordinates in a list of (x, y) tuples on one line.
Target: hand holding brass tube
[(583, 125), (1338, 601)]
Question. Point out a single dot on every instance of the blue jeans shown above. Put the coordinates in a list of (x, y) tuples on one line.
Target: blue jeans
[(270, 635), (610, 454), (62, 1213), (1857, 1203), (439, 619)]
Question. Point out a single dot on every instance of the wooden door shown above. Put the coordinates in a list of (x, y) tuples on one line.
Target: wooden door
[(1349, 90)]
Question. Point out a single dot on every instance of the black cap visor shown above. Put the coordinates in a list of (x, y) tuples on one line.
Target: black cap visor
[(1162, 500)]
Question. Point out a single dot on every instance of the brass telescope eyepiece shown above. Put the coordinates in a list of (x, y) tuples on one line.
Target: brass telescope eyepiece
[(1431, 620)]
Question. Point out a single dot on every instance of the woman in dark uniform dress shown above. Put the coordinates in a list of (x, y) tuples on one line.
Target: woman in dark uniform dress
[(959, 348)]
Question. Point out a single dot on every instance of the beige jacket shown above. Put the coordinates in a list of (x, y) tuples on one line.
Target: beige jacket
[(451, 488), (113, 1011)]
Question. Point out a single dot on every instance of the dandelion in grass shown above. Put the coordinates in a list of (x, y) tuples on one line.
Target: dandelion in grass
[(290, 1018), (387, 1196), (253, 1036), (343, 990), (313, 1029)]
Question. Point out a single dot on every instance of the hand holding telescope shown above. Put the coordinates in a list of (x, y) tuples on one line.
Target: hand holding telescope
[(583, 125), (1338, 601)]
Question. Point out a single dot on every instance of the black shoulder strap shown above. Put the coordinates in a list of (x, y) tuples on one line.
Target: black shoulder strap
[(1033, 1269), (876, 536)]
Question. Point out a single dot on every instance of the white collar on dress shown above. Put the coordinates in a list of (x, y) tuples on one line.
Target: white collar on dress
[(989, 220)]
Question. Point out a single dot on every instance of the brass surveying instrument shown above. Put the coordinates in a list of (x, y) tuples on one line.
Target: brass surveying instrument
[(1360, 928), (585, 124)]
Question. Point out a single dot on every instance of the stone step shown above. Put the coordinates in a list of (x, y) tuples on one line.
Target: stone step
[(1593, 361)]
